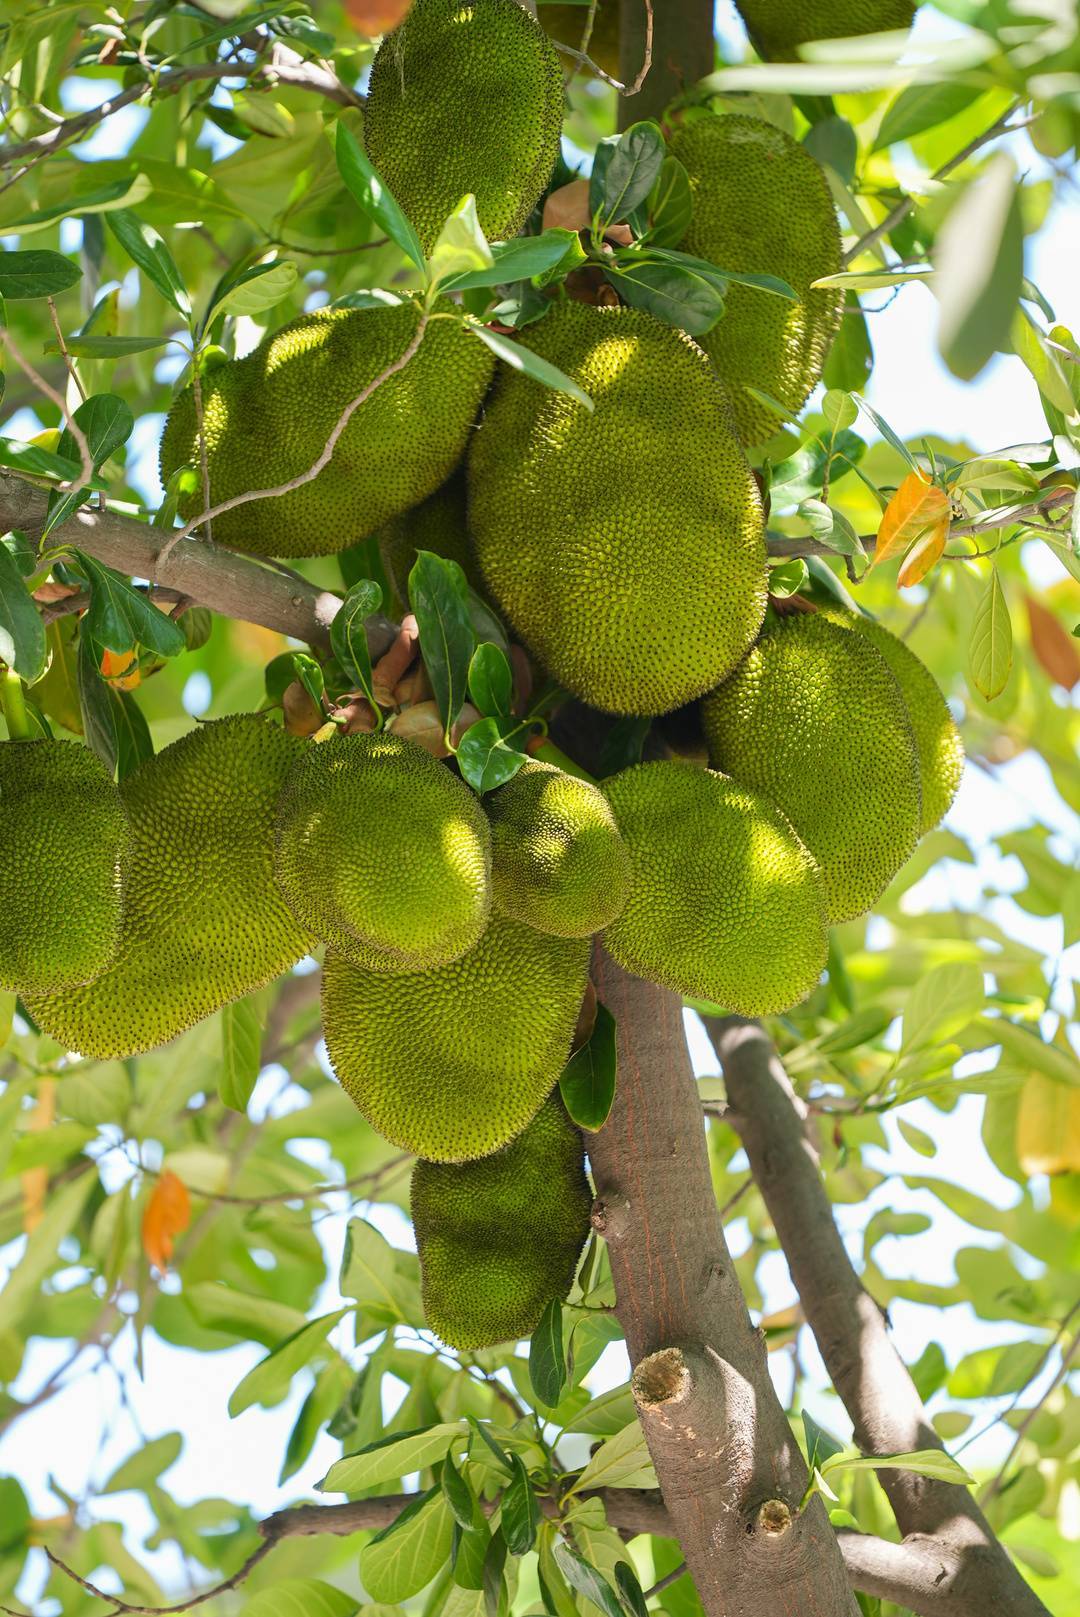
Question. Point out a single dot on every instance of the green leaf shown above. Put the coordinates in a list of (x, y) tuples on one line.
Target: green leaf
[(458, 1494), (120, 616), (587, 1082), (112, 721), (491, 680), (472, 1544), (461, 247), (839, 410), (129, 189), (36, 275), (310, 675), (622, 1461), (403, 1560), (438, 596), (980, 268), (520, 1515), (146, 1465), (885, 430), (770, 284), (255, 291), (105, 347), (14, 1515), (586, 1580), (22, 633), (625, 169), (494, 1562), (921, 107), (42, 462), (547, 1357), (941, 1003), (990, 646), (491, 752), (518, 260), (147, 249), (788, 578), (383, 1281), (820, 1444), (348, 635), (664, 217), (241, 1046), (483, 1430), (271, 1378), (520, 358), (831, 527), (107, 423), (299, 1597), (630, 1591), (676, 295), (364, 183), (396, 1455), (63, 1209), (1028, 1051), (851, 356), (924, 1462)]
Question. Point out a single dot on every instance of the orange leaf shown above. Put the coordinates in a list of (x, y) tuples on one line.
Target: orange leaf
[(374, 17), (917, 515), (168, 1213), (1054, 647), (924, 554), (121, 669)]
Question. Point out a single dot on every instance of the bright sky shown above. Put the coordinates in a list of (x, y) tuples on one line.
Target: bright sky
[(240, 1459)]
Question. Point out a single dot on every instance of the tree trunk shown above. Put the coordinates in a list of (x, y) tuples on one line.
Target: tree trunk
[(683, 51), (727, 1462)]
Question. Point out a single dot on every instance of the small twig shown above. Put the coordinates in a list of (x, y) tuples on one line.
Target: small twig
[(580, 57), (733, 1201), (199, 1599), (370, 1180), (87, 468), (997, 1482), (667, 1580), (898, 214), (322, 460), (68, 361)]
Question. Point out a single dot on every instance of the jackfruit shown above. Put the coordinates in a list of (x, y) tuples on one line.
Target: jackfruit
[(762, 205), (383, 853), (937, 739), (726, 904), (499, 1239), (567, 25), (436, 524), (558, 861), (66, 844), (777, 27), (815, 721), (437, 123), (269, 415), (625, 546), (203, 921), (452, 1063)]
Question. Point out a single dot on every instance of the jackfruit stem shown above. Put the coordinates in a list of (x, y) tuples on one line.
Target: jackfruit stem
[(13, 703)]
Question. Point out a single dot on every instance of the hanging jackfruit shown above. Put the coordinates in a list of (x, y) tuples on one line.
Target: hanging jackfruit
[(937, 739), (268, 416), (778, 27), (465, 96), (726, 904), (500, 1238), (814, 720), (762, 205), (383, 853), (559, 863), (625, 546), (438, 525), (66, 844), (452, 1063), (203, 921)]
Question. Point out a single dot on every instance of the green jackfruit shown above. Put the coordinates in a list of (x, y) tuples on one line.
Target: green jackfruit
[(452, 1063), (203, 920), (268, 416), (499, 1239), (726, 904), (815, 721), (559, 863), (940, 749), (438, 525), (762, 205), (778, 27), (625, 546), (437, 123), (383, 853), (66, 845)]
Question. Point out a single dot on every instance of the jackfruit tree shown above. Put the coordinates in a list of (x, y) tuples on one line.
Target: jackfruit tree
[(539, 859)]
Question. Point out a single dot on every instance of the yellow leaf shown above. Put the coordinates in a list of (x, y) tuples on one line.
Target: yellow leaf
[(168, 1213), (916, 520), (1055, 649), (374, 17), (121, 669), (1048, 1126)]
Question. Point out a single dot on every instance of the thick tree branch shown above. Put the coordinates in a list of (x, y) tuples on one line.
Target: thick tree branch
[(235, 585), (726, 1459), (870, 1377)]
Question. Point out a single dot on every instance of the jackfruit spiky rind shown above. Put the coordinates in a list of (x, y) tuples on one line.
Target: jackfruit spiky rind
[(778, 27), (203, 920), (558, 861), (940, 749), (436, 124), (500, 1238), (437, 524), (762, 205), (66, 843), (726, 903), (383, 853), (453, 1063), (814, 720), (625, 546), (268, 416)]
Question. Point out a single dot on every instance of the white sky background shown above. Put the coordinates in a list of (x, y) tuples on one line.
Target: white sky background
[(86, 1428)]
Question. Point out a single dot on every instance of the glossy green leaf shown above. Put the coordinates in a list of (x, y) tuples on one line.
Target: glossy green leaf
[(517, 260), (367, 188), (22, 633), (461, 247), (587, 1082), (679, 296), (120, 616), (586, 1580), (491, 752), (547, 1356), (404, 1558), (625, 169), (148, 250), (241, 1045), (348, 635), (520, 1511), (35, 274), (396, 1455), (438, 598), (990, 646), (520, 358), (491, 680)]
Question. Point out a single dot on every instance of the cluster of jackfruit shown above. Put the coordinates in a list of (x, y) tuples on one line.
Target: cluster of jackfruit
[(777, 27)]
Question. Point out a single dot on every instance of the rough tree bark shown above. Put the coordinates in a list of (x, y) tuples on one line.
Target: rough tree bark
[(967, 1569), (727, 1462), (683, 52)]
